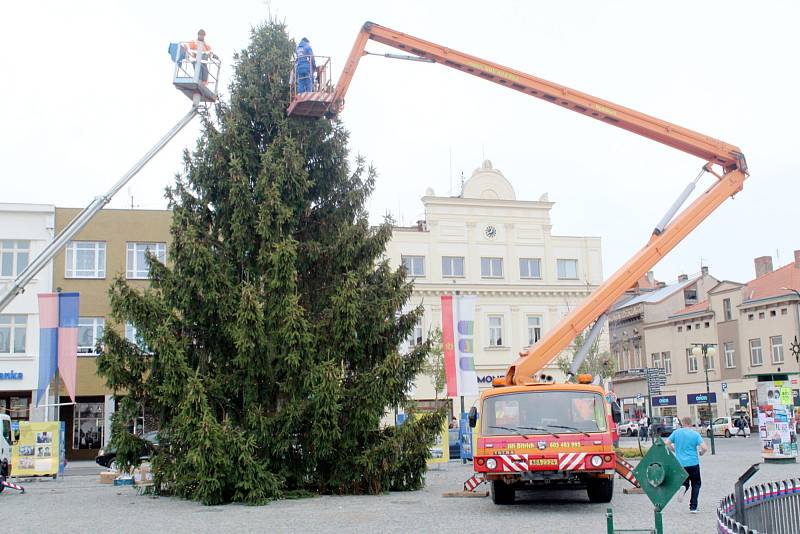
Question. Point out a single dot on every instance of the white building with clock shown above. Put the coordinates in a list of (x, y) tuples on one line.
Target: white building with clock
[(487, 243)]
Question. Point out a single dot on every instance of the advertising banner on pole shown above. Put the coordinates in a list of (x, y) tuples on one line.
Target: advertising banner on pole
[(458, 338), (37, 452)]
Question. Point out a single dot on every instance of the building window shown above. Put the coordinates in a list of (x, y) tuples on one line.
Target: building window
[(567, 269), (726, 309), (777, 348), (760, 315), (492, 267), (709, 361), (626, 357), (453, 266), (90, 330), (14, 256), (416, 336), (680, 329), (691, 360), (749, 316), (667, 357), (87, 425), (618, 356), (656, 357), (137, 262), (415, 265), (13, 333), (496, 330), (697, 326), (756, 357), (534, 329), (773, 313), (688, 327), (784, 311), (132, 335), (730, 355), (86, 259), (530, 268), (706, 325)]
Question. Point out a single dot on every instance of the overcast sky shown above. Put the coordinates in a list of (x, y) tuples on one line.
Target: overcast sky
[(86, 91)]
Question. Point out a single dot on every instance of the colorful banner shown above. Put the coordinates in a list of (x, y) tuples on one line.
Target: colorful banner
[(458, 338), (58, 340), (465, 345), (448, 344), (37, 450)]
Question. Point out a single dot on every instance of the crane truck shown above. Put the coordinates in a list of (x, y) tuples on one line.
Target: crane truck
[(533, 431)]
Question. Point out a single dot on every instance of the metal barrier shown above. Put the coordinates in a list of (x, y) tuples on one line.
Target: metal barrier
[(771, 508)]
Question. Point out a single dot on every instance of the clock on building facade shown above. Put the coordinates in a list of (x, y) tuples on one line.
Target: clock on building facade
[(490, 232)]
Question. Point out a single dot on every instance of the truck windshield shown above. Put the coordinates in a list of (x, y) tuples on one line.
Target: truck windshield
[(562, 412)]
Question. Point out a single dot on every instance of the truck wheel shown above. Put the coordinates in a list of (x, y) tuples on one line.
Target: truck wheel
[(502, 493), (727, 433), (600, 489)]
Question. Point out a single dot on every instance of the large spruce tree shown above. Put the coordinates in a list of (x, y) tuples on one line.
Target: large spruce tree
[(269, 346)]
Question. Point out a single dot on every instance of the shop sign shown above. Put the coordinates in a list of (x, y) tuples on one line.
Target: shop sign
[(487, 379), (701, 398), (665, 400), (10, 375)]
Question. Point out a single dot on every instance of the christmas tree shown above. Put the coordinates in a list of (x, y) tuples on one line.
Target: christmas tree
[(269, 346)]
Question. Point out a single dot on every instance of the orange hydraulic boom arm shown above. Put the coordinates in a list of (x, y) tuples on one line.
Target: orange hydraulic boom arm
[(729, 159)]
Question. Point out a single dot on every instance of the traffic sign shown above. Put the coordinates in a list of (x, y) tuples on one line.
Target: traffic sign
[(638, 396), (724, 387), (660, 474)]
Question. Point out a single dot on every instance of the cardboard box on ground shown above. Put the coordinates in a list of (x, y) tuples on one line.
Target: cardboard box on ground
[(141, 476)]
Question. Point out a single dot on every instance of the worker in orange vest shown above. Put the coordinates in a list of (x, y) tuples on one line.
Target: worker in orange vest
[(200, 49)]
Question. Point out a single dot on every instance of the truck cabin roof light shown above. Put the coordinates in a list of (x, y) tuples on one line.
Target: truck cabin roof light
[(498, 381), (585, 378)]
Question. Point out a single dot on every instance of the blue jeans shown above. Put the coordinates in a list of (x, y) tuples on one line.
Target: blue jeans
[(694, 478), (304, 81)]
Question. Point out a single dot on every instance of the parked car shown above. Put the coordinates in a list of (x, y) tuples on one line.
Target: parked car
[(726, 426), (107, 456), (661, 427), (628, 428)]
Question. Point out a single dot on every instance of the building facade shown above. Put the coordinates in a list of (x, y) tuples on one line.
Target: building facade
[(751, 326), (487, 243), (25, 229), (112, 244)]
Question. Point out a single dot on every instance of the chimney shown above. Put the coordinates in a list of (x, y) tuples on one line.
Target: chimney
[(797, 259), (652, 279), (763, 265), (683, 278), (704, 270)]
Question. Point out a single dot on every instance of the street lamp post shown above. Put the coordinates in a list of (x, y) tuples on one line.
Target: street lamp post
[(707, 350)]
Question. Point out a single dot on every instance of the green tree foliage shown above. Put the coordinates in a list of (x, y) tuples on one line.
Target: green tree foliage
[(596, 363), (272, 339)]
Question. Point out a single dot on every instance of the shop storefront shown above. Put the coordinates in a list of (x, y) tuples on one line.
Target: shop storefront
[(85, 424), (16, 404), (665, 405), (698, 406)]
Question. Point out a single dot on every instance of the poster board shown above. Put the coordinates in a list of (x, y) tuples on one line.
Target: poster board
[(440, 450), (37, 451), (776, 420)]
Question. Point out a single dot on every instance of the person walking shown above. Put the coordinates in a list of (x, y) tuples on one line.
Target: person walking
[(688, 446), (644, 426), (740, 427), (305, 66)]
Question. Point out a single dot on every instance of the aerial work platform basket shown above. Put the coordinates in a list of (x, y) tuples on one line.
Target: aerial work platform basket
[(318, 101), (196, 72)]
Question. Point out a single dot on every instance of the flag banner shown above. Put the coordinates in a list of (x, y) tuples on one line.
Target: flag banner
[(458, 340), (68, 313), (448, 344), (48, 341), (465, 333)]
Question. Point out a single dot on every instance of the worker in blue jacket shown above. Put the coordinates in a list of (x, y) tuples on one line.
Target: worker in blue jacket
[(305, 66)]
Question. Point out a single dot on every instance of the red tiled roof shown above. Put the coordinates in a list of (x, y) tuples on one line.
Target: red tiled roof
[(700, 306), (770, 284)]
